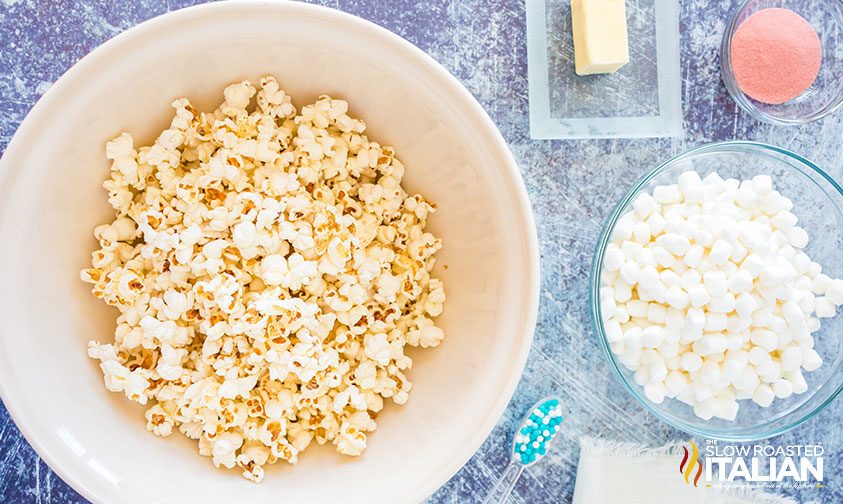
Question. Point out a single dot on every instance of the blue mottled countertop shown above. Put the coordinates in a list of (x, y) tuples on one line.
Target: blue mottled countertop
[(572, 185)]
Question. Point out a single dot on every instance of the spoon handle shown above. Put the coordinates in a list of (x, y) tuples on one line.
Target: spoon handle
[(505, 484)]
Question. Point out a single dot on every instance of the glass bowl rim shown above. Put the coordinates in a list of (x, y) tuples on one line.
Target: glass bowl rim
[(728, 77), (594, 288)]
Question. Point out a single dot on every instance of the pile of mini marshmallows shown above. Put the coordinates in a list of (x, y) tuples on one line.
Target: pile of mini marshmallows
[(537, 431), (707, 295)]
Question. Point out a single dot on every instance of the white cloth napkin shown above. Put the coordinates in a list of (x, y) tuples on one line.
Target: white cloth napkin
[(611, 472)]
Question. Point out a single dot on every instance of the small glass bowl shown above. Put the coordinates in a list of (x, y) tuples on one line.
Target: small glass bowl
[(826, 94), (818, 202)]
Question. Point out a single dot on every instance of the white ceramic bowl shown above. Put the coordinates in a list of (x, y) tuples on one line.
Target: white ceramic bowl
[(50, 200)]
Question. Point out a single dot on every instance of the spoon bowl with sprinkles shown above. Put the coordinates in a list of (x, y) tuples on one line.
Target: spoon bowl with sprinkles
[(531, 442)]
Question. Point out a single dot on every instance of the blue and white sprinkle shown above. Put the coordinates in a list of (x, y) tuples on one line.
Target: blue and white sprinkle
[(537, 431)]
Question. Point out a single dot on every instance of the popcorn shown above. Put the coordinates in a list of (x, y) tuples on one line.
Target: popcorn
[(269, 270)]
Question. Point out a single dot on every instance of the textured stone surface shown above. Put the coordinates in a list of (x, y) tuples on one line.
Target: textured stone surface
[(572, 185)]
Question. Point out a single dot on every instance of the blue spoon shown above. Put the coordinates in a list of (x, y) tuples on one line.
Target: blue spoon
[(529, 445)]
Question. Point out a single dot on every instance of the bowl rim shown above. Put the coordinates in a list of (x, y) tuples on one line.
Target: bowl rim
[(88, 487), (597, 266), (740, 97)]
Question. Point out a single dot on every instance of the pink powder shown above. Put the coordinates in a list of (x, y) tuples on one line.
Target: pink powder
[(776, 55)]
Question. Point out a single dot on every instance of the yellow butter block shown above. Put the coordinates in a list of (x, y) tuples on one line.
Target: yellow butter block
[(601, 42)]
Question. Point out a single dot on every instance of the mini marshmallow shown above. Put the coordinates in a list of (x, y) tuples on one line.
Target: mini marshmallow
[(676, 382), (613, 331), (811, 360), (715, 321), (740, 281), (644, 205), (745, 304), (694, 255), (720, 252), (675, 319), (641, 232), (613, 259), (824, 308), (798, 237), (715, 283), (652, 336), (797, 382), (667, 194), (782, 388), (698, 296), (820, 283), (753, 264), (637, 308), (791, 358), (630, 271), (674, 243), (656, 313), (690, 279), (648, 277), (763, 395), (764, 339), (669, 278), (722, 304), (663, 257), (834, 292), (709, 372), (655, 392), (690, 361), (676, 297)]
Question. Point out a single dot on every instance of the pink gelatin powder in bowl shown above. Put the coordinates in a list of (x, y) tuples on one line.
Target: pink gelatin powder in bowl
[(776, 55)]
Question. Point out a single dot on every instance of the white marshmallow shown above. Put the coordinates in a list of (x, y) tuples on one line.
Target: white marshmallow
[(706, 409), (637, 308), (764, 339), (763, 395), (674, 243), (724, 303), (648, 277), (663, 257), (740, 281), (613, 331), (690, 279), (798, 237), (782, 388), (690, 361), (811, 360), (694, 255), (791, 358), (667, 194), (698, 296), (656, 313), (797, 381), (676, 297), (720, 252), (820, 283), (644, 205), (834, 292), (641, 232), (715, 322), (652, 336), (655, 392), (613, 258), (630, 271), (715, 283)]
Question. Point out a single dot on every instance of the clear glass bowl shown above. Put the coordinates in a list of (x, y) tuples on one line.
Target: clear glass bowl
[(826, 94), (818, 202)]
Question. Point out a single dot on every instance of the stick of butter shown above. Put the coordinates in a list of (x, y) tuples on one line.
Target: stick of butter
[(600, 37)]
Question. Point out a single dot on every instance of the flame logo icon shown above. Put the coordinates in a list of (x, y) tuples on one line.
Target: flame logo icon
[(689, 463)]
